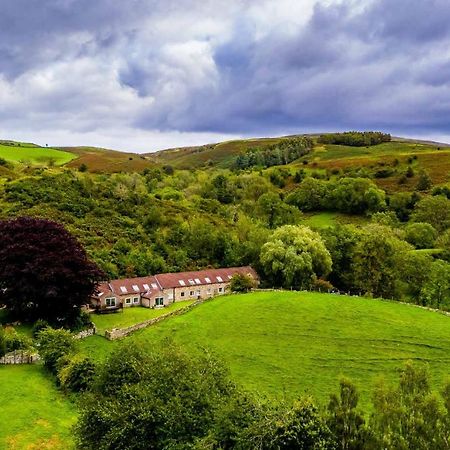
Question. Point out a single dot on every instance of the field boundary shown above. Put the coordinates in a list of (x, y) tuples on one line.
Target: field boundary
[(119, 333)]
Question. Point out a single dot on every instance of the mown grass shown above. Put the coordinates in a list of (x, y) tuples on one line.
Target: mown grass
[(283, 344), (133, 315), (30, 154), (34, 415)]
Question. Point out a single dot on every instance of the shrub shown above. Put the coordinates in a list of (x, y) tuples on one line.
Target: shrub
[(53, 345), (241, 283), (39, 325), (133, 412), (76, 372), (10, 341), (421, 235), (321, 285), (82, 322)]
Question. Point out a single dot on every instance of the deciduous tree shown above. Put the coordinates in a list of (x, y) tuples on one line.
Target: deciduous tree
[(294, 255), (44, 271)]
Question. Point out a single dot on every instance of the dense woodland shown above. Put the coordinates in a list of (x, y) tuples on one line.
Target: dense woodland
[(133, 224)]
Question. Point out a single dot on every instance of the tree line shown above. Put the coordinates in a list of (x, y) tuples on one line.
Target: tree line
[(282, 153), (355, 138)]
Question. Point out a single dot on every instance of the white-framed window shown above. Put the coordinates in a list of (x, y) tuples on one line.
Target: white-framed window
[(159, 301), (110, 302), (191, 293), (128, 301), (220, 289), (136, 300)]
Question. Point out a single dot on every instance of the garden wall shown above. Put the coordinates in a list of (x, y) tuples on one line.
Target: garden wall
[(118, 333), (20, 357)]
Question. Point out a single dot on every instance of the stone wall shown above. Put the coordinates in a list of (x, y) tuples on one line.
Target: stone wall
[(20, 357), (85, 333), (118, 333)]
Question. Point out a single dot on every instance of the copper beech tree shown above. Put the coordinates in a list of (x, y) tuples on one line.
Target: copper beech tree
[(44, 271)]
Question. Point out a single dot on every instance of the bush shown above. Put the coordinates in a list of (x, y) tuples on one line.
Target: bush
[(241, 283), (39, 325), (10, 341), (133, 412), (421, 235), (53, 345), (321, 285), (76, 372), (82, 322)]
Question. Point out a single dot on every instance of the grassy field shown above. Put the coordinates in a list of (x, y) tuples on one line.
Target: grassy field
[(30, 154), (131, 316), (33, 414), (283, 344), (330, 219)]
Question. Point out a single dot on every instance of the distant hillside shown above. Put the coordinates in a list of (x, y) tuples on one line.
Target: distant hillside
[(105, 160), (220, 155), (32, 154)]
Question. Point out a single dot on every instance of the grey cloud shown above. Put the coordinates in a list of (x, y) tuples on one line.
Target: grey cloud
[(374, 64)]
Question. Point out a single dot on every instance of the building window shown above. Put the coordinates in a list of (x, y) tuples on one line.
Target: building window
[(136, 300), (181, 294), (110, 302), (159, 301), (220, 289), (191, 293), (128, 301)]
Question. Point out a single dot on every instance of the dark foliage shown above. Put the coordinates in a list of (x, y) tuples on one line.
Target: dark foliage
[(44, 272), (355, 138)]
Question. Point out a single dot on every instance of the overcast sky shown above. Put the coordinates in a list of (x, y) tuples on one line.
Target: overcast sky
[(140, 75)]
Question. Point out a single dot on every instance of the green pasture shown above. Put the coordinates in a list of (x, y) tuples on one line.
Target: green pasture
[(29, 154), (34, 415), (393, 148), (284, 344), (133, 315), (328, 219)]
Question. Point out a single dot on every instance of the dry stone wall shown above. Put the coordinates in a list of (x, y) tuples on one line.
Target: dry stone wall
[(119, 333), (20, 357)]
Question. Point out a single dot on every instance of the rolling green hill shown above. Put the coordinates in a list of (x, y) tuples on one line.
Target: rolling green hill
[(283, 344), (31, 154)]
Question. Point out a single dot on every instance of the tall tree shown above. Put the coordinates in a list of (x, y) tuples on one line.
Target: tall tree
[(375, 262), (294, 256), (44, 271), (344, 420)]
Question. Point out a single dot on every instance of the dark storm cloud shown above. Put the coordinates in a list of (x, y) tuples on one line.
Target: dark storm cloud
[(226, 67)]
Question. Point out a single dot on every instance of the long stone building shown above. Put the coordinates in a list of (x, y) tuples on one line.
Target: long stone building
[(163, 289)]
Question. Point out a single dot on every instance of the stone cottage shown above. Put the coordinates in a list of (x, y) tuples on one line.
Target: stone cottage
[(163, 289)]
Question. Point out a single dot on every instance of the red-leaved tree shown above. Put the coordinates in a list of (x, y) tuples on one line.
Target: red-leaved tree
[(44, 271)]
